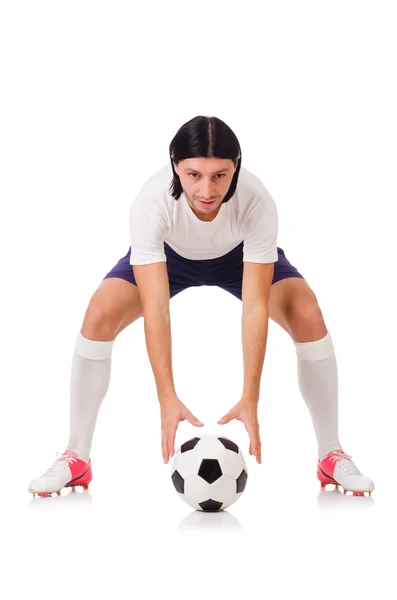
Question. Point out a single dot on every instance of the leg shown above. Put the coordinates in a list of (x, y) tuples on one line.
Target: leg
[(113, 307), (115, 304), (293, 306)]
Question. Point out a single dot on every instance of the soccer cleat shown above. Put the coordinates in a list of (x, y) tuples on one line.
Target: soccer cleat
[(338, 468), (67, 471)]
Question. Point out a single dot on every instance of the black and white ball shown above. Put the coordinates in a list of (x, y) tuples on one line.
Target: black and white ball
[(209, 473)]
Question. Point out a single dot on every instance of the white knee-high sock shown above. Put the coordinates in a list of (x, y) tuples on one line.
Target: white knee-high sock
[(318, 383), (90, 378)]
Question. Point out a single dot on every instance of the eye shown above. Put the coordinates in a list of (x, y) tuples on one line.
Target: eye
[(217, 174)]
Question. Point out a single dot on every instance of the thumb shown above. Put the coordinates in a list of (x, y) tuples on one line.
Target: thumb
[(226, 418), (194, 421)]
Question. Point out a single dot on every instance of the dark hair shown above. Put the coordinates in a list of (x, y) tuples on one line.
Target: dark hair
[(204, 137)]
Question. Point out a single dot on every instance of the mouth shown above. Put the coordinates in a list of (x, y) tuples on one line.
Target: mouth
[(207, 203)]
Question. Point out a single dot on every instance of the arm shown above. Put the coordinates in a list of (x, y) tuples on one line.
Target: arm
[(260, 253), (153, 286), (149, 224), (257, 281)]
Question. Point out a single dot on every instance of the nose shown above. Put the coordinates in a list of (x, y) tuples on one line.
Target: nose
[(207, 191)]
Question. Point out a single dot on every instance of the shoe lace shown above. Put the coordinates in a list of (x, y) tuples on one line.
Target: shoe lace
[(349, 466), (61, 458)]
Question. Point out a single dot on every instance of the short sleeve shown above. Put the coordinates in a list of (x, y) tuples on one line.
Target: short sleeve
[(260, 231), (148, 223)]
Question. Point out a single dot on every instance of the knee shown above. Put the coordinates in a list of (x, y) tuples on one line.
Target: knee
[(306, 321), (100, 323)]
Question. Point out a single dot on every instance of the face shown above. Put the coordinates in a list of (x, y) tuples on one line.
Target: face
[(205, 182)]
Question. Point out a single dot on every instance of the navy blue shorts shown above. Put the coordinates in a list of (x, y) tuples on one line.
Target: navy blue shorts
[(225, 271)]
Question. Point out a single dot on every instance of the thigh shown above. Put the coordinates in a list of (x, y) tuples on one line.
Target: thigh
[(178, 276), (114, 305), (282, 270)]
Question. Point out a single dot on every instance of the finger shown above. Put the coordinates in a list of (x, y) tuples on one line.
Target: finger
[(193, 420), (258, 455), (171, 441), (257, 450), (164, 447), (255, 442), (226, 419)]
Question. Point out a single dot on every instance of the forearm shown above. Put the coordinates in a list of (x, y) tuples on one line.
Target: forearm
[(255, 323), (157, 326)]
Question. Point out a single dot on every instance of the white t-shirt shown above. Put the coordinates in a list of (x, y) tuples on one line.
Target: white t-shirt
[(156, 217)]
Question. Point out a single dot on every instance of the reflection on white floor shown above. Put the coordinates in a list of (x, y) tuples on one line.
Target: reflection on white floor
[(330, 499), (335, 499), (75, 500), (215, 521)]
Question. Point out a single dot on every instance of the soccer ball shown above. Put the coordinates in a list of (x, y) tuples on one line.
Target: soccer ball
[(209, 473)]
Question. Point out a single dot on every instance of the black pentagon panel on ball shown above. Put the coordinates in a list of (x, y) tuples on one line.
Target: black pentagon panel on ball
[(210, 505), (241, 481), (190, 444), (210, 470), (179, 482), (229, 444)]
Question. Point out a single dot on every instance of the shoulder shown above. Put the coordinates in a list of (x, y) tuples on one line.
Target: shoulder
[(250, 185), (252, 197), (154, 192), (161, 178)]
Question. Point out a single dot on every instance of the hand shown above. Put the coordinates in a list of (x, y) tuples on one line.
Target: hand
[(246, 411), (172, 412)]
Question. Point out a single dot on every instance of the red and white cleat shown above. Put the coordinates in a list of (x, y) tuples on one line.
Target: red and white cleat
[(338, 468), (67, 471)]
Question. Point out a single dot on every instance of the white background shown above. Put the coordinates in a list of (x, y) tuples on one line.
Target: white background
[(91, 95)]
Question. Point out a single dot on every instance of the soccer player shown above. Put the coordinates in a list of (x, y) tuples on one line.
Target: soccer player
[(203, 220)]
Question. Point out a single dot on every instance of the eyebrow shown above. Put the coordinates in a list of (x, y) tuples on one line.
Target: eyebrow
[(194, 171)]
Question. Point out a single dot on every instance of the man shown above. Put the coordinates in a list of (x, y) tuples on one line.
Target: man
[(204, 220)]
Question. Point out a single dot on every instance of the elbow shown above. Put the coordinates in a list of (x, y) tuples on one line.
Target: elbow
[(153, 309), (256, 308)]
